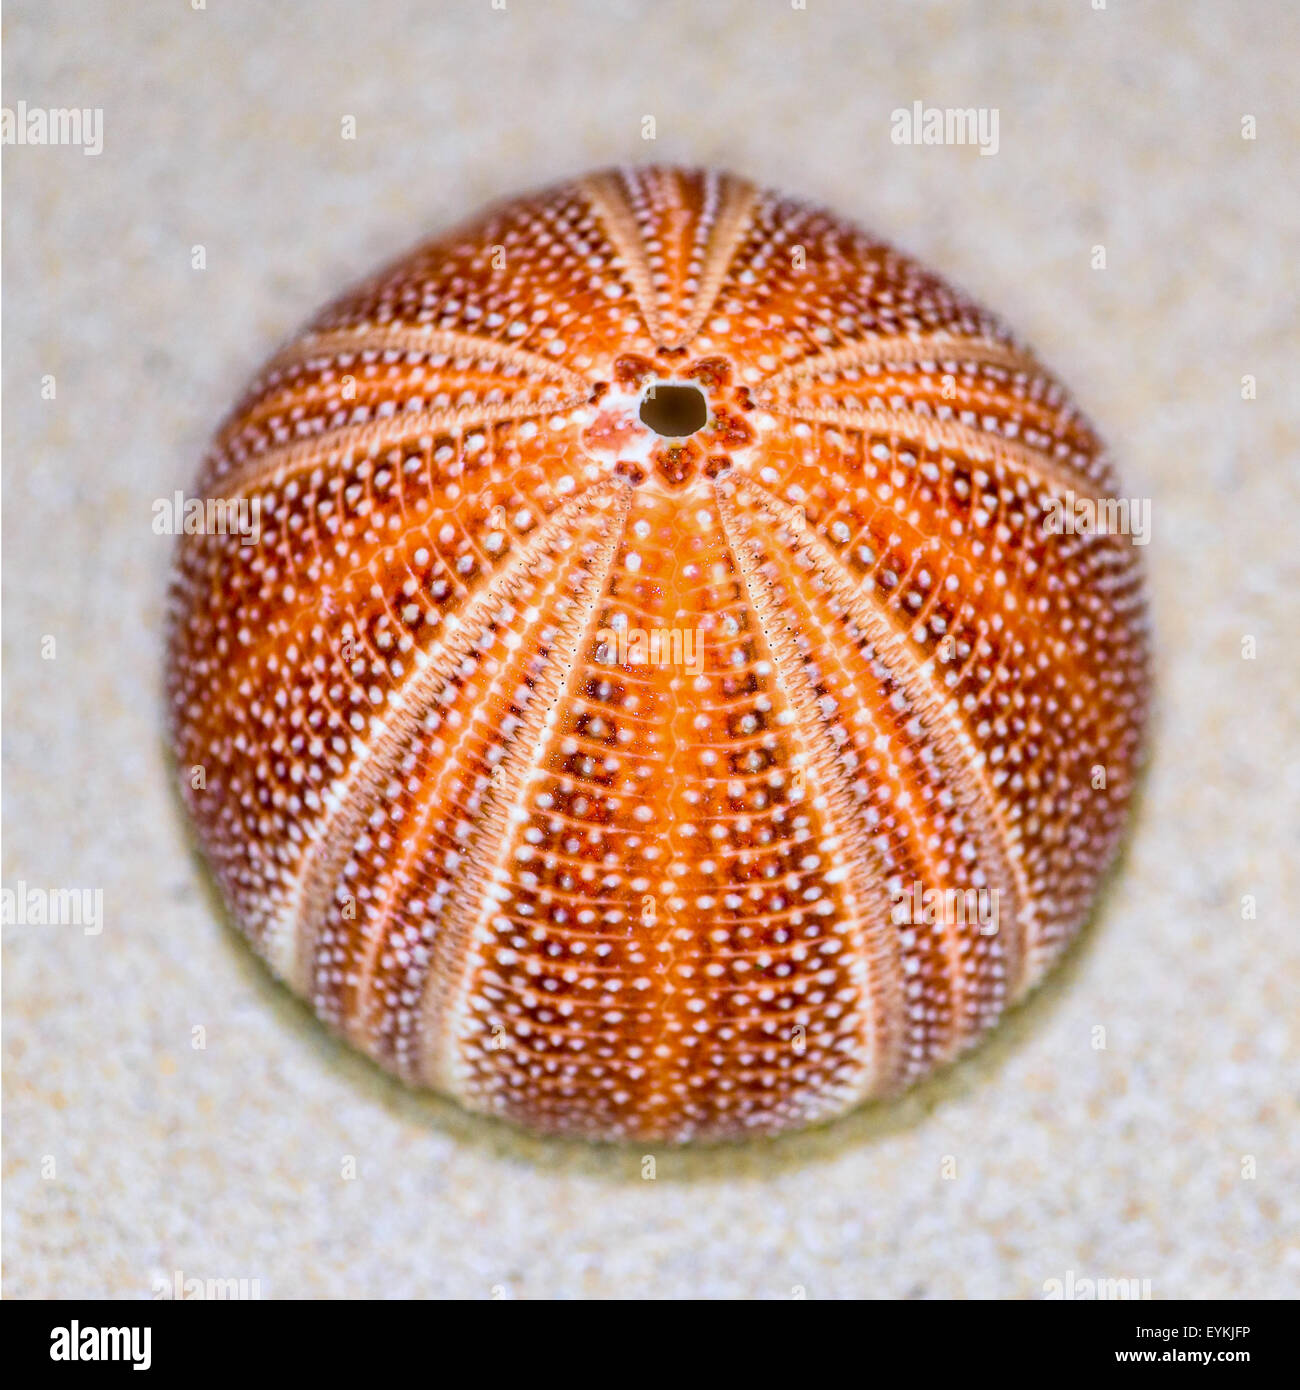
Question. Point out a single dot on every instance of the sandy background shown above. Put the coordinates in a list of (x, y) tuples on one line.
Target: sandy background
[(222, 128)]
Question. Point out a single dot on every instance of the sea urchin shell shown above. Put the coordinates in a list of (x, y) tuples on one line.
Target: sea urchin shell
[(652, 699)]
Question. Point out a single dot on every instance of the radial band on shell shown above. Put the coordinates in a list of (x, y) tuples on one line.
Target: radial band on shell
[(655, 702)]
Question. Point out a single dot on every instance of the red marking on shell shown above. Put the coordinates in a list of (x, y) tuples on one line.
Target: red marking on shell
[(587, 776)]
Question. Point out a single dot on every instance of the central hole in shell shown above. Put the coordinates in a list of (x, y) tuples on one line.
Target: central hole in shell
[(674, 411)]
